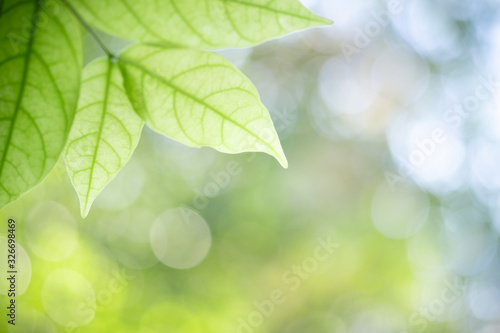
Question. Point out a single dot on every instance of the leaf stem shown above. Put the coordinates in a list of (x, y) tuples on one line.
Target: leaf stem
[(91, 31)]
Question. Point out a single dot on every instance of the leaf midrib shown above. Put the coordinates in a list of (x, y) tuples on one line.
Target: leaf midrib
[(185, 93), (20, 96), (99, 133)]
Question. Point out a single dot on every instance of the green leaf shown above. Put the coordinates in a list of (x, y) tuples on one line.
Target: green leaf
[(205, 24), (198, 98), (105, 131), (40, 64)]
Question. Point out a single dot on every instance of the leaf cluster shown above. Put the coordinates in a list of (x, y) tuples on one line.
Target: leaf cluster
[(166, 79)]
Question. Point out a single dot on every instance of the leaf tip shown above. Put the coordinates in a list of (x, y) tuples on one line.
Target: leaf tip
[(327, 21), (85, 205), (283, 161), (323, 21), (84, 210), (279, 155)]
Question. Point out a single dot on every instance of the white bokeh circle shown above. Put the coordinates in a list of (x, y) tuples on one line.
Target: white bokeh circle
[(399, 212), (180, 238), (68, 298), (22, 267), (51, 231)]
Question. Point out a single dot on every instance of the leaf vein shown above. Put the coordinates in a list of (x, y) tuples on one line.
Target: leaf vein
[(21, 90), (99, 133), (194, 98)]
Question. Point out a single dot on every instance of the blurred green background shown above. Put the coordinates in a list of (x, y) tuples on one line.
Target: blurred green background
[(387, 219)]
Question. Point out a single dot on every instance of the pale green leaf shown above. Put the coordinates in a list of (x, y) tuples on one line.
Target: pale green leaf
[(40, 64), (105, 131), (206, 24), (198, 98)]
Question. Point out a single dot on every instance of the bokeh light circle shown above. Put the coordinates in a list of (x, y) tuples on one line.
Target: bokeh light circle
[(398, 71), (484, 301), (68, 298), (468, 242), (32, 321), (399, 211), (51, 231), (23, 268), (180, 238)]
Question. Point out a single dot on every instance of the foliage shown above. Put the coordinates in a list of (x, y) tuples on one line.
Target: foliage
[(166, 80)]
